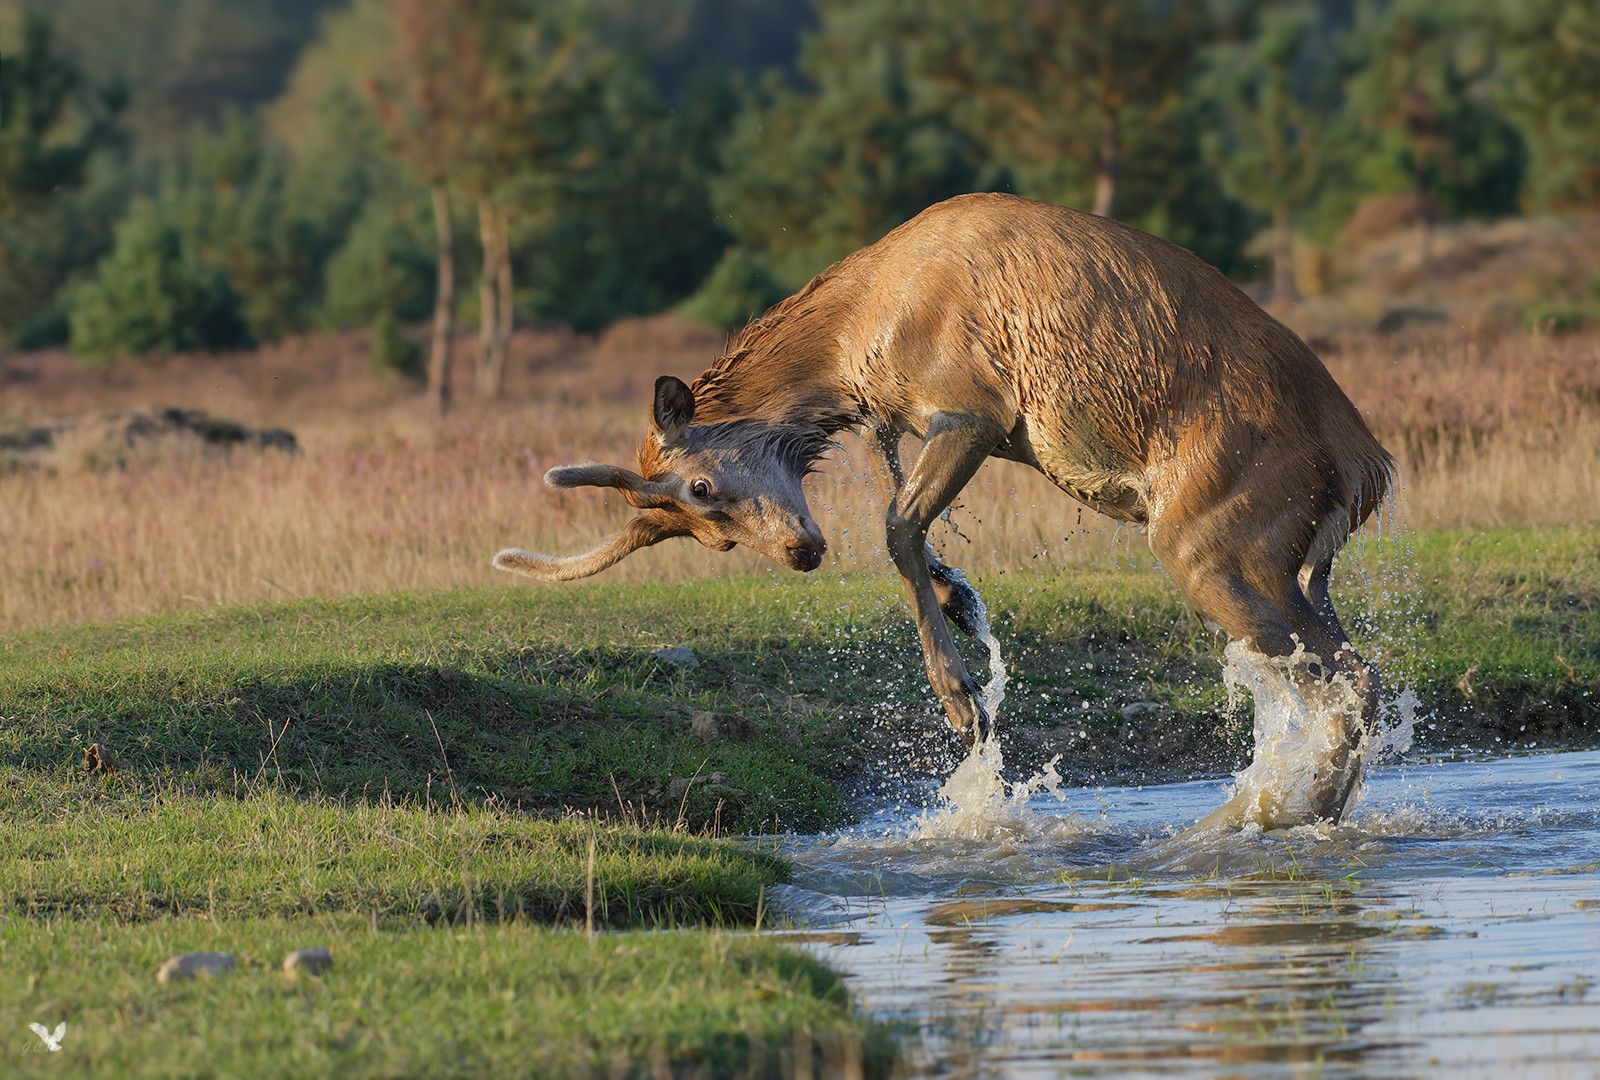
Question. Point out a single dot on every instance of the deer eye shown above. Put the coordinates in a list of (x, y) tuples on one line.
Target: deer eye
[(700, 489)]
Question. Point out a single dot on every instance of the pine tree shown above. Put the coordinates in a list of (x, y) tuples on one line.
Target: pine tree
[(812, 173), (1552, 61), (52, 125), (1270, 149), (1424, 88), (1054, 81)]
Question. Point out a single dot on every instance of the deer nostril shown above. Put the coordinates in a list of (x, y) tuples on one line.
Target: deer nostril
[(805, 556)]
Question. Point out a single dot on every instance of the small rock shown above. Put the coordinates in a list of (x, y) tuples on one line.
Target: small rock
[(677, 654), (96, 759), (1138, 710), (189, 965), (684, 783), (715, 725), (310, 961)]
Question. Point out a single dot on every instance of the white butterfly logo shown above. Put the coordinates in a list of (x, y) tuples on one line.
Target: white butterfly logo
[(52, 1042)]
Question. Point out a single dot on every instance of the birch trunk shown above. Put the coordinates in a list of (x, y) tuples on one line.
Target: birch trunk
[(1107, 164), (508, 314), (1282, 252), (444, 307), (488, 294), (494, 300)]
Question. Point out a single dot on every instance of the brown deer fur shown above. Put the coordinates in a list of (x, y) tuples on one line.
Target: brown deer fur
[(1133, 375)]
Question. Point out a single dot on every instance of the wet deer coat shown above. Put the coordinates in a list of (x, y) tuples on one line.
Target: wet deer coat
[(1133, 375)]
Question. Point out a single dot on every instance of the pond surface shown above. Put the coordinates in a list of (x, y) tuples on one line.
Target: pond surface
[(1450, 928)]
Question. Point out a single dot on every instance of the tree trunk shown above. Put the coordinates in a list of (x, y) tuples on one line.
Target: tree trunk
[(1108, 162), (1424, 212), (494, 293), (1282, 253), (444, 307), (508, 315), (488, 294)]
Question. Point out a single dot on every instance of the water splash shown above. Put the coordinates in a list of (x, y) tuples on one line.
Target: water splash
[(977, 803), (1300, 743)]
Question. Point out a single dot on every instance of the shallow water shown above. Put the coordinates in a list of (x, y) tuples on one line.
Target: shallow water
[(1450, 928)]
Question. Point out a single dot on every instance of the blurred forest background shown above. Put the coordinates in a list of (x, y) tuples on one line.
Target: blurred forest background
[(210, 175)]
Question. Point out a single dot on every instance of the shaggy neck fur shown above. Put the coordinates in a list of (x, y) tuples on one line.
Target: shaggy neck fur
[(780, 381)]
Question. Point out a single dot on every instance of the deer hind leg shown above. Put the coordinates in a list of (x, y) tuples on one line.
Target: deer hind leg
[(1267, 606), (952, 450), (960, 602)]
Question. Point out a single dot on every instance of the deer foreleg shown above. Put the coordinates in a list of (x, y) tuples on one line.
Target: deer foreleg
[(952, 450), (957, 599)]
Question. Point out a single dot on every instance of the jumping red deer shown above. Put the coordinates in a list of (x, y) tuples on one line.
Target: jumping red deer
[(1134, 376)]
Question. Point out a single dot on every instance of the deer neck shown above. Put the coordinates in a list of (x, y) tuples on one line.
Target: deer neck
[(786, 368)]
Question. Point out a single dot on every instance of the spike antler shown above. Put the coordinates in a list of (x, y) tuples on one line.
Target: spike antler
[(641, 532), (635, 488)]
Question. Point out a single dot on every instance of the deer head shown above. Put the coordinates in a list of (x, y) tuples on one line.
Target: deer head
[(728, 483)]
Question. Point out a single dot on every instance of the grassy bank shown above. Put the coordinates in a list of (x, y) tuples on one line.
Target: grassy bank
[(486, 1000), (457, 932), (802, 691), (107, 850)]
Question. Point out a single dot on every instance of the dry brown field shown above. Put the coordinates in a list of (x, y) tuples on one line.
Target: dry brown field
[(1491, 429)]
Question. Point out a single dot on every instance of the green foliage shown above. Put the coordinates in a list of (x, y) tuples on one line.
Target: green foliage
[(811, 174), (50, 124), (626, 228), (385, 266), (1270, 146), (1050, 84), (738, 289), (392, 351), (184, 62), (1552, 88), (226, 253), (54, 128), (1167, 188), (633, 167), (1423, 85), (154, 294)]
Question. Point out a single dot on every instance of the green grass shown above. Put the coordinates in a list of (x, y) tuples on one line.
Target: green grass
[(457, 933), (544, 700), (509, 999), (102, 850), (1498, 631)]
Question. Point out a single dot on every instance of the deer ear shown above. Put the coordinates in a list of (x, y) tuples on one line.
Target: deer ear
[(673, 410)]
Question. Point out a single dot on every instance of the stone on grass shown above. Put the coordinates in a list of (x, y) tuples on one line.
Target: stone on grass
[(309, 961), (98, 759), (716, 785), (720, 725), (677, 654), (189, 965)]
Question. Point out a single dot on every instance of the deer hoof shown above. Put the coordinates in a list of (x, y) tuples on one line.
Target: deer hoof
[(959, 601)]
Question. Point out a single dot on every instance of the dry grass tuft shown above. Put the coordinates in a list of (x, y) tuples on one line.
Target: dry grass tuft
[(1491, 431)]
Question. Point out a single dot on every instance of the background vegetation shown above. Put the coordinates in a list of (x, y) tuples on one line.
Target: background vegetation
[(249, 170)]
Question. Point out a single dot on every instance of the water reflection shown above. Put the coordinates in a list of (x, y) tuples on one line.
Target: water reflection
[(1453, 928)]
